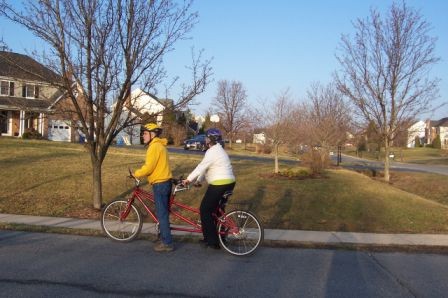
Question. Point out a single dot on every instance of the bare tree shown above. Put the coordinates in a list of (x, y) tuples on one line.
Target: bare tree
[(384, 70), (328, 116), (326, 121), (277, 119), (3, 45), (230, 105), (103, 48), (207, 123), (246, 130)]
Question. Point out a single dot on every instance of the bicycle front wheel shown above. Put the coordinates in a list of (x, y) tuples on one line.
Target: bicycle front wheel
[(240, 232), (118, 228)]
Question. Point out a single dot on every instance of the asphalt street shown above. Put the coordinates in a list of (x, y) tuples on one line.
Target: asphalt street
[(348, 162), (359, 163), (52, 265)]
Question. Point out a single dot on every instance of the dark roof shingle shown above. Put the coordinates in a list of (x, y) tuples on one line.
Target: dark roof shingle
[(442, 122), (23, 67), (24, 103)]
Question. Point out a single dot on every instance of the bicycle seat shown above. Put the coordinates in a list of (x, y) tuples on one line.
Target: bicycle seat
[(227, 194)]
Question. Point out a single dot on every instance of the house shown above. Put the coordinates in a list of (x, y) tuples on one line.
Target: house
[(427, 131), (259, 138), (435, 128), (416, 130), (25, 95), (29, 100), (144, 107)]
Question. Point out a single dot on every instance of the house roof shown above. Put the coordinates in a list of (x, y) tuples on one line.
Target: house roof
[(23, 67), (30, 104), (442, 122)]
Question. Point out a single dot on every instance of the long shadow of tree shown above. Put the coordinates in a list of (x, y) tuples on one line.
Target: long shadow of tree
[(257, 204), (253, 204), (281, 207)]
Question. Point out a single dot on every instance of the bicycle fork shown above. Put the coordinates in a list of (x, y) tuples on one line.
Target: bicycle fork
[(124, 213)]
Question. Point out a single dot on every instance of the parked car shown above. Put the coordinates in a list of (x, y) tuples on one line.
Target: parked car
[(198, 143)]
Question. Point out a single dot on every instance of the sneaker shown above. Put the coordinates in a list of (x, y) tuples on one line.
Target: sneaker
[(162, 247)]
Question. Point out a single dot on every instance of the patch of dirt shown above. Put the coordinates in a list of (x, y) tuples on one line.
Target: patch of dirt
[(284, 177), (85, 213)]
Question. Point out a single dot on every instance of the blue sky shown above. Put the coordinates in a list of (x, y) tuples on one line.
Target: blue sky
[(271, 46)]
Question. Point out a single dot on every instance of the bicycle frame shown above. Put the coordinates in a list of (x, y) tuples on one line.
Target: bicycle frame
[(239, 231), (144, 196)]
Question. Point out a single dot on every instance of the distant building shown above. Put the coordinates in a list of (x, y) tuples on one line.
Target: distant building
[(416, 130), (259, 138), (200, 122), (427, 131), (435, 128), (145, 107)]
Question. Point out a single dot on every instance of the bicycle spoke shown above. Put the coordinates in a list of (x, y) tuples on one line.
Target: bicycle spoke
[(243, 232), (117, 227), (113, 216)]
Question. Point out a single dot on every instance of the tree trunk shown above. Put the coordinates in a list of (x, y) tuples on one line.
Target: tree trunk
[(276, 170), (97, 185), (386, 160)]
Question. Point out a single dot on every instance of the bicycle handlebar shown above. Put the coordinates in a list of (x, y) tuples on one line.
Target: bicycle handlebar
[(136, 180), (178, 185)]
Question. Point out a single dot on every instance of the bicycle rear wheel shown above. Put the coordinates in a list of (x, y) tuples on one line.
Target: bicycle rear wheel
[(121, 230), (240, 232)]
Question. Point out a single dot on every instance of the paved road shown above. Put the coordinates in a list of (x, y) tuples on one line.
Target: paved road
[(348, 162), (235, 156), (355, 162), (51, 265)]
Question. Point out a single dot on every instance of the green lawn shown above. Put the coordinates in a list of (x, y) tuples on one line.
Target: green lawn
[(48, 178)]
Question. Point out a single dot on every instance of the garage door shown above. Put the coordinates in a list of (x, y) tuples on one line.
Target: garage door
[(59, 130)]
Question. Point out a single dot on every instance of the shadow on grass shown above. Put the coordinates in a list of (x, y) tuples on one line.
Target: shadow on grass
[(274, 216), (282, 207), (42, 183), (28, 160), (68, 176)]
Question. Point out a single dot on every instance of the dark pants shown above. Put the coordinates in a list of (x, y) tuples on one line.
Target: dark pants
[(208, 206)]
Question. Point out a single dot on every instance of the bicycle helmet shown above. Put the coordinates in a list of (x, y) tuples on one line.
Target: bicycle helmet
[(214, 135), (152, 127)]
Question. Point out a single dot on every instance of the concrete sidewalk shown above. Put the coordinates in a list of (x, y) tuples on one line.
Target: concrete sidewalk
[(420, 242)]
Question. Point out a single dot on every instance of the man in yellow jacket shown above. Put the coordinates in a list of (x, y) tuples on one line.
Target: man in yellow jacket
[(157, 169)]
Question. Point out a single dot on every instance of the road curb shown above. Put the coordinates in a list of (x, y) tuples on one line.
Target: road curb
[(190, 237)]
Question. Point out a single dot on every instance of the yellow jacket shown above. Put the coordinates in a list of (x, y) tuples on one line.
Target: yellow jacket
[(156, 165)]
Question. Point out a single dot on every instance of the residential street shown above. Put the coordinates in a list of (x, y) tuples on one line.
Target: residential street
[(355, 162), (349, 162), (52, 265)]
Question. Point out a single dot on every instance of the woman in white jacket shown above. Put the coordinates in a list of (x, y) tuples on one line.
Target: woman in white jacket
[(215, 167)]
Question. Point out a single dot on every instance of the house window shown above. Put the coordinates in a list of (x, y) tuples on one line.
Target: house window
[(6, 88), (30, 91)]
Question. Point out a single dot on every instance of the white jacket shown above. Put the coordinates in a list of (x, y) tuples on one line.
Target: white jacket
[(214, 166)]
